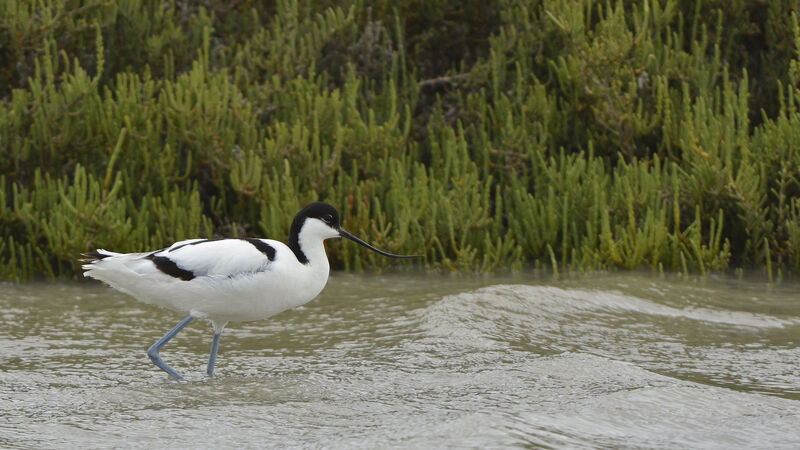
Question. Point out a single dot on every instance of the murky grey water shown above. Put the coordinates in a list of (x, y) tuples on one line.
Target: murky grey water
[(414, 361)]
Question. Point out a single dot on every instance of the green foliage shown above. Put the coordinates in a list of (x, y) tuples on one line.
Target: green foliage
[(574, 134)]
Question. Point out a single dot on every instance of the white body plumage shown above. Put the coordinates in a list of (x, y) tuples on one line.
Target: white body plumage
[(233, 281)]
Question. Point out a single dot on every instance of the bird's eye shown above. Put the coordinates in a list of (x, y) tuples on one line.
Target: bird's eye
[(327, 218)]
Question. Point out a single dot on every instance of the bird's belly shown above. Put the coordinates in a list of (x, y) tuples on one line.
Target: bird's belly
[(254, 298)]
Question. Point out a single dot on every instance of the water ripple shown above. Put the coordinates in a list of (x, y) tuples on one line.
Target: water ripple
[(430, 362)]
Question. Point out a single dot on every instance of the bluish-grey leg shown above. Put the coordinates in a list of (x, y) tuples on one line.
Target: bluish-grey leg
[(213, 358), (152, 352)]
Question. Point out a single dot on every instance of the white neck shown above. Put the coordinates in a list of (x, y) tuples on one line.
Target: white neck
[(314, 249), (317, 268), (311, 239)]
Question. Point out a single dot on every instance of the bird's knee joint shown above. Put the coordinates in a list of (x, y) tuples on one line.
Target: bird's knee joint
[(153, 354)]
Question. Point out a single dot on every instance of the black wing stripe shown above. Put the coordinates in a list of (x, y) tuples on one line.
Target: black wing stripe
[(263, 247), (170, 268), (195, 243), (93, 256)]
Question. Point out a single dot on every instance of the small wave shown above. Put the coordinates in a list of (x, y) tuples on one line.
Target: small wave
[(710, 345), (547, 302)]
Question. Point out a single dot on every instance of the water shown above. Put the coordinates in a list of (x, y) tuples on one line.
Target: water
[(414, 361)]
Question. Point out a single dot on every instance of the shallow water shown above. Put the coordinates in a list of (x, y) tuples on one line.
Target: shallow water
[(414, 361)]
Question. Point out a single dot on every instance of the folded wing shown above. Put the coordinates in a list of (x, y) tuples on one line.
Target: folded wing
[(187, 260)]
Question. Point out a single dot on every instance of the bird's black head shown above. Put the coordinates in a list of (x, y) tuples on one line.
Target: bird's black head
[(318, 210), (330, 217)]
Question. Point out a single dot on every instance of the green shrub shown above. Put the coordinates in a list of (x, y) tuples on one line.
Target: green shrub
[(575, 134)]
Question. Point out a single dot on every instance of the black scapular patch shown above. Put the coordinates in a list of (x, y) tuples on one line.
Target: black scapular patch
[(263, 247), (170, 268)]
